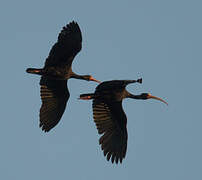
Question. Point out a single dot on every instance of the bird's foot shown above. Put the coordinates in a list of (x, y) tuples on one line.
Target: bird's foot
[(85, 97)]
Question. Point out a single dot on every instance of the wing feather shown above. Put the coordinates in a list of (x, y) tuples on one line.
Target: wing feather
[(110, 121), (68, 45), (54, 96)]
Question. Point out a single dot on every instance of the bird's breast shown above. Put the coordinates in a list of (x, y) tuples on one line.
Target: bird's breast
[(110, 96), (62, 72)]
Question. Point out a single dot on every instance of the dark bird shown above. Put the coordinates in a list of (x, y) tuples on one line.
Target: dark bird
[(55, 73), (110, 117)]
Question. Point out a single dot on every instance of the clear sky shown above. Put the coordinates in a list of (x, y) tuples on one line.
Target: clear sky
[(157, 40)]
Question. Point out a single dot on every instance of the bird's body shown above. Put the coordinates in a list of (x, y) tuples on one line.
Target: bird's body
[(113, 90), (55, 74), (110, 117)]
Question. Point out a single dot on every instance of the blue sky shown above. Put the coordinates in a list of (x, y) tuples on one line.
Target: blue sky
[(159, 41)]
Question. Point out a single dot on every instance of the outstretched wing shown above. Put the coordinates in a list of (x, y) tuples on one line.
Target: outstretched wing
[(111, 121), (68, 45), (54, 96)]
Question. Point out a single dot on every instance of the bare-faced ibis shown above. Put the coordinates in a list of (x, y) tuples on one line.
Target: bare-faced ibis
[(55, 73), (110, 117)]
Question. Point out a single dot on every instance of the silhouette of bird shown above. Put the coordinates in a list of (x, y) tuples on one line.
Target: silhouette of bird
[(55, 73), (110, 117)]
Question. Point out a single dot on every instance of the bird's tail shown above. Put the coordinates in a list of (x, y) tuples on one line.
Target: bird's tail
[(34, 71), (87, 96)]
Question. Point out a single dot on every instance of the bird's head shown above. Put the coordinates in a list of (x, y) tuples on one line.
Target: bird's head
[(145, 96), (90, 78)]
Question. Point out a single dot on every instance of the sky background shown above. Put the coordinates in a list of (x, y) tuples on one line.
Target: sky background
[(157, 40)]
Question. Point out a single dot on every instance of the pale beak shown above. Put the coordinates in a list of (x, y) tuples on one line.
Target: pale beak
[(157, 98), (93, 79)]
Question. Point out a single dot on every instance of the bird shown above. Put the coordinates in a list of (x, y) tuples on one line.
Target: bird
[(110, 118), (55, 74)]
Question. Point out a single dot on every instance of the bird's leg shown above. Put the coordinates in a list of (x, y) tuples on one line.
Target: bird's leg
[(86, 96)]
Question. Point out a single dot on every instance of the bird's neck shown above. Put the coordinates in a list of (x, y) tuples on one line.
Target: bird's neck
[(77, 76), (133, 96)]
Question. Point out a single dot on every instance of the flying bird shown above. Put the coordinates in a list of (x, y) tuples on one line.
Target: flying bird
[(110, 117), (55, 74)]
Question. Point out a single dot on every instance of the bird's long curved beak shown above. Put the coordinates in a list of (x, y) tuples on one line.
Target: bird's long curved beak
[(93, 79), (157, 98)]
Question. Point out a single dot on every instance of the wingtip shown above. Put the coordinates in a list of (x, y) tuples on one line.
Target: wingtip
[(73, 22), (43, 128), (139, 80)]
